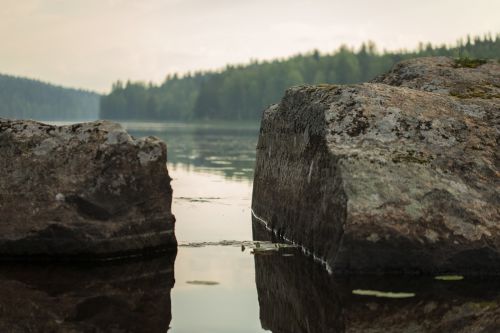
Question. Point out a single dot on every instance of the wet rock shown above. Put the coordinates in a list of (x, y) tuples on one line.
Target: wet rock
[(395, 176), (82, 191), (118, 297), (297, 295)]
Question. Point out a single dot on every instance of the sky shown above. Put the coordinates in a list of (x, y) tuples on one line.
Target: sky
[(92, 43)]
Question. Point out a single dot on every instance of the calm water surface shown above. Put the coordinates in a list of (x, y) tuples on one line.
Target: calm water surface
[(214, 286), (211, 166), (212, 170)]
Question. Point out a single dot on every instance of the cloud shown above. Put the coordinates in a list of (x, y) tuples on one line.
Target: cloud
[(91, 43)]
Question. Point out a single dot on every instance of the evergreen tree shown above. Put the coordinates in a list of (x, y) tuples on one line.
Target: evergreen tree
[(22, 98), (242, 92)]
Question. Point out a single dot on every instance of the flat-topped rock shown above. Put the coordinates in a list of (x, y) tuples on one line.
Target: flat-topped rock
[(84, 191), (378, 178)]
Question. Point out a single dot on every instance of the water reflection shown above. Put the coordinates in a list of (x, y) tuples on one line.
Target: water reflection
[(211, 166), (209, 207), (230, 306), (297, 295), (115, 297), (222, 148)]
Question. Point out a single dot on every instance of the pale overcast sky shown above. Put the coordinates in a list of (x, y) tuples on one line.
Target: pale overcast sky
[(92, 43)]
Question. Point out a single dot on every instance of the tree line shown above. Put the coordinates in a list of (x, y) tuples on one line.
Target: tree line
[(22, 98), (241, 92)]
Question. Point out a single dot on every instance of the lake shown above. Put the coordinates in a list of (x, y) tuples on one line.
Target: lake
[(214, 284), (211, 166), (212, 170)]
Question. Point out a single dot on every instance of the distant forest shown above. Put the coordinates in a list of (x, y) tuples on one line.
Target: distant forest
[(23, 98), (242, 92)]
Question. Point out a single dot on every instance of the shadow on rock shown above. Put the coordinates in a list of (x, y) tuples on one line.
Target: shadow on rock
[(116, 297)]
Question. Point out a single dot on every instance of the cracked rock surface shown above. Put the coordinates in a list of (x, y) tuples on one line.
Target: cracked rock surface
[(86, 190), (400, 175)]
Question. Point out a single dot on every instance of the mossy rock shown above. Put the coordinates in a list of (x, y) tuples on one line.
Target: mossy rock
[(468, 62)]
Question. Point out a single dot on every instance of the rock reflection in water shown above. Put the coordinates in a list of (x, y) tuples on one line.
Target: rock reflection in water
[(226, 149), (115, 297), (297, 295)]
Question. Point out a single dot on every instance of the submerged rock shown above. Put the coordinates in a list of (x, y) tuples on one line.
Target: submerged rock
[(82, 191), (398, 175)]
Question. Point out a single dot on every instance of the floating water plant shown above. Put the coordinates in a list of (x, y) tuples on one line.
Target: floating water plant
[(386, 294), (261, 252), (256, 246), (449, 277), (203, 283)]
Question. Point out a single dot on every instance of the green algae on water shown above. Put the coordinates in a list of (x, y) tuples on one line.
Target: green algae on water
[(203, 283), (386, 294), (449, 277)]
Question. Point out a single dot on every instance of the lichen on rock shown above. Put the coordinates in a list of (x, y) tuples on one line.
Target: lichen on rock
[(82, 191)]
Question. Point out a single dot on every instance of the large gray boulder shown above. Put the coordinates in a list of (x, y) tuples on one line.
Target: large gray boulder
[(82, 191), (397, 175)]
